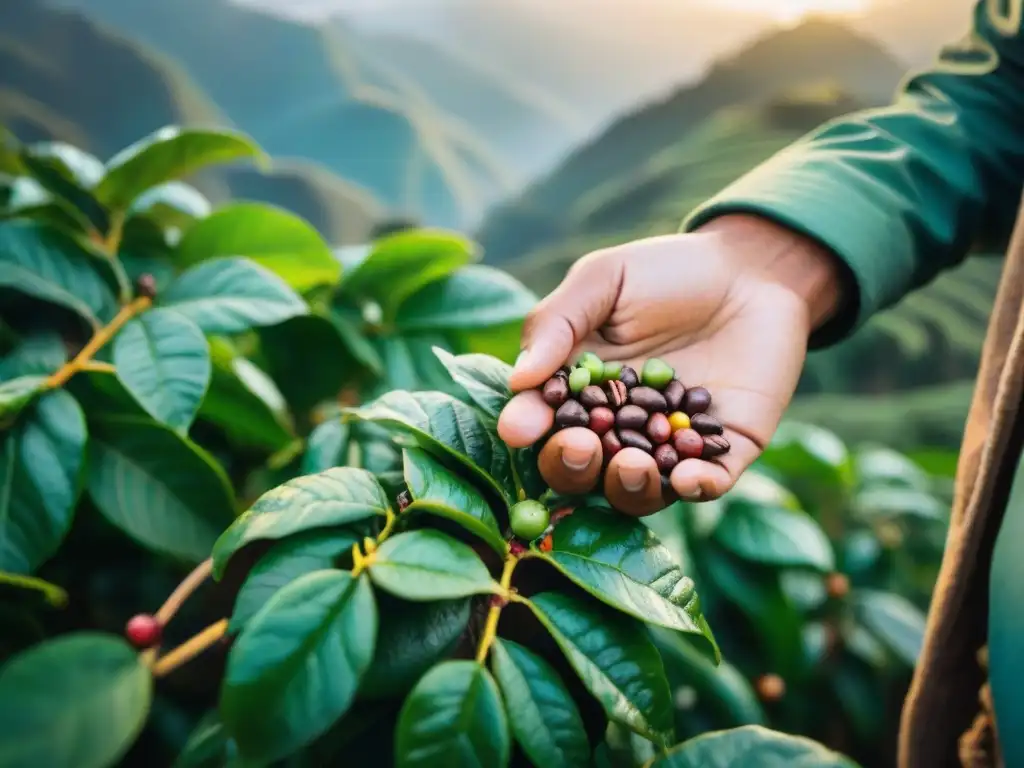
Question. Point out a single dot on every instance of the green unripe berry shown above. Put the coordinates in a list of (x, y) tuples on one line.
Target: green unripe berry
[(656, 373), (611, 371), (579, 379), (592, 363), (529, 519)]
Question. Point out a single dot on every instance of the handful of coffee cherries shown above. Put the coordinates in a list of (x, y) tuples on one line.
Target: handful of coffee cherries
[(651, 410)]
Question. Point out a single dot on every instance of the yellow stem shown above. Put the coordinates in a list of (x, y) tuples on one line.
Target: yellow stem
[(491, 623), (182, 592), (101, 337), (190, 648), (53, 594), (360, 561), (95, 365), (112, 242), (389, 526)]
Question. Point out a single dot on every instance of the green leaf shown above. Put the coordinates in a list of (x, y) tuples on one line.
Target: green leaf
[(295, 668), (174, 204), (326, 446), (409, 363), (400, 264), (614, 658), (878, 465), (438, 491), (51, 266), (165, 155), (474, 297), (428, 565), (208, 746), (889, 502), (751, 746), (41, 460), (447, 428), (17, 394), (894, 620), (484, 378), (245, 402), (231, 295), (620, 561), (160, 488), (336, 497), (283, 563), (810, 454), (542, 714), (412, 637), (773, 536), (68, 174), (163, 359), (277, 240), (454, 718), (38, 354), (78, 701), (348, 323)]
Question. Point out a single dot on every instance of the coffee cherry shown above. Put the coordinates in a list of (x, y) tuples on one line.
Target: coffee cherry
[(611, 371), (688, 444), (145, 286), (674, 393), (658, 428), (632, 439), (579, 379), (696, 400), (601, 420), (837, 585), (529, 519), (714, 445), (610, 444), (143, 631), (770, 687), (556, 391), (651, 400), (628, 377), (592, 363), (679, 420), (706, 424), (631, 417), (617, 393), (656, 373), (666, 458), (593, 396), (571, 414)]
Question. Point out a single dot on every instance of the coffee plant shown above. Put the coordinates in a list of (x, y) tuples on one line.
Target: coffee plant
[(290, 452)]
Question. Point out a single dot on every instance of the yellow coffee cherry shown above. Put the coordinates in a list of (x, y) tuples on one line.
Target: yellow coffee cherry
[(679, 420)]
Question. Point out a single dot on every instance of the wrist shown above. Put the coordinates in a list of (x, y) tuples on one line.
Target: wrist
[(786, 258)]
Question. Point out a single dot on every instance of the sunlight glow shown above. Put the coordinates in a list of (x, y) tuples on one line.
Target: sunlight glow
[(788, 11)]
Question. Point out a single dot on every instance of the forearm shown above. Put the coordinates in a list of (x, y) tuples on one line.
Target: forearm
[(900, 193)]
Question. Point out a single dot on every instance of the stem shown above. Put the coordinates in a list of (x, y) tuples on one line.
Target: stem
[(491, 624), (190, 648), (95, 365), (112, 242), (520, 491), (101, 337), (360, 561), (389, 525), (53, 594), (182, 592)]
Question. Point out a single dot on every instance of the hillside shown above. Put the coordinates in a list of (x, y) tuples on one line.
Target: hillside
[(813, 52)]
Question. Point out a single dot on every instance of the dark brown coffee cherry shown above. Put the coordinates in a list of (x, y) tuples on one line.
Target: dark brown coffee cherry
[(572, 414), (658, 428), (696, 400), (629, 377), (651, 400), (632, 439), (688, 444), (674, 393), (593, 396), (145, 286), (610, 444), (666, 458), (714, 445), (556, 391), (601, 419), (631, 417), (706, 424)]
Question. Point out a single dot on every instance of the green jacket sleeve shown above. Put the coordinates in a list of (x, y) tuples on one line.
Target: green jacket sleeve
[(903, 192)]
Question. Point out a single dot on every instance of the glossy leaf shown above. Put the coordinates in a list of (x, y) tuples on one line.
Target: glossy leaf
[(806, 452), (208, 746), (447, 428), (428, 565), (454, 718), (277, 240), (893, 620), (167, 154), (295, 668), (751, 746), (68, 174), (332, 498), (231, 295), (51, 266), (542, 714), (484, 378), (438, 491), (78, 701), (774, 536), (41, 460), (38, 354), (400, 264), (17, 394), (285, 562), (878, 465), (474, 297), (174, 204), (889, 502), (620, 561), (614, 658), (160, 488), (163, 359), (326, 446)]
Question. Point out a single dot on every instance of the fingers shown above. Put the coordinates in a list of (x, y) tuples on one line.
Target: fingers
[(570, 461), (632, 483), (580, 305), (525, 419)]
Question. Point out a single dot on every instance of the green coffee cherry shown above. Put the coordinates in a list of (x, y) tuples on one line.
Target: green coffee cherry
[(529, 519), (578, 379), (592, 363), (611, 371), (656, 373)]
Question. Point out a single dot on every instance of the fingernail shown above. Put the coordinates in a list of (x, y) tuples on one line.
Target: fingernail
[(693, 495), (576, 459), (633, 480)]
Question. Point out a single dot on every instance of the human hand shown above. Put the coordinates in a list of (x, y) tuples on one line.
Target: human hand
[(730, 307)]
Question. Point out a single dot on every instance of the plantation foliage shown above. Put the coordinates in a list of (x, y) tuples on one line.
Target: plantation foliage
[(288, 453)]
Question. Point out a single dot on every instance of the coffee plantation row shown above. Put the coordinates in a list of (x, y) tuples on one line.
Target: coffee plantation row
[(287, 454)]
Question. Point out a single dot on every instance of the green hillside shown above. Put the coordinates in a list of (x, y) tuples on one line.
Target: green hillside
[(813, 52)]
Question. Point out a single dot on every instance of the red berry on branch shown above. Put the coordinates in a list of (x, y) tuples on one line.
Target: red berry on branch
[(143, 631)]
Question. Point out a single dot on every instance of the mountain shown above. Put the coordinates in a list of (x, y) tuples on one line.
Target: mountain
[(817, 51)]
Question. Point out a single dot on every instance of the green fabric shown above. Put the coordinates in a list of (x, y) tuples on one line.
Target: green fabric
[(903, 192), (1006, 627)]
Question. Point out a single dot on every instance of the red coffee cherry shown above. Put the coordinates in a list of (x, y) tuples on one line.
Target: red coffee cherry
[(143, 631), (688, 444), (601, 420), (837, 585), (770, 687)]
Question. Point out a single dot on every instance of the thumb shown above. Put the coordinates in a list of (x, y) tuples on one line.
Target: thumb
[(579, 306)]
